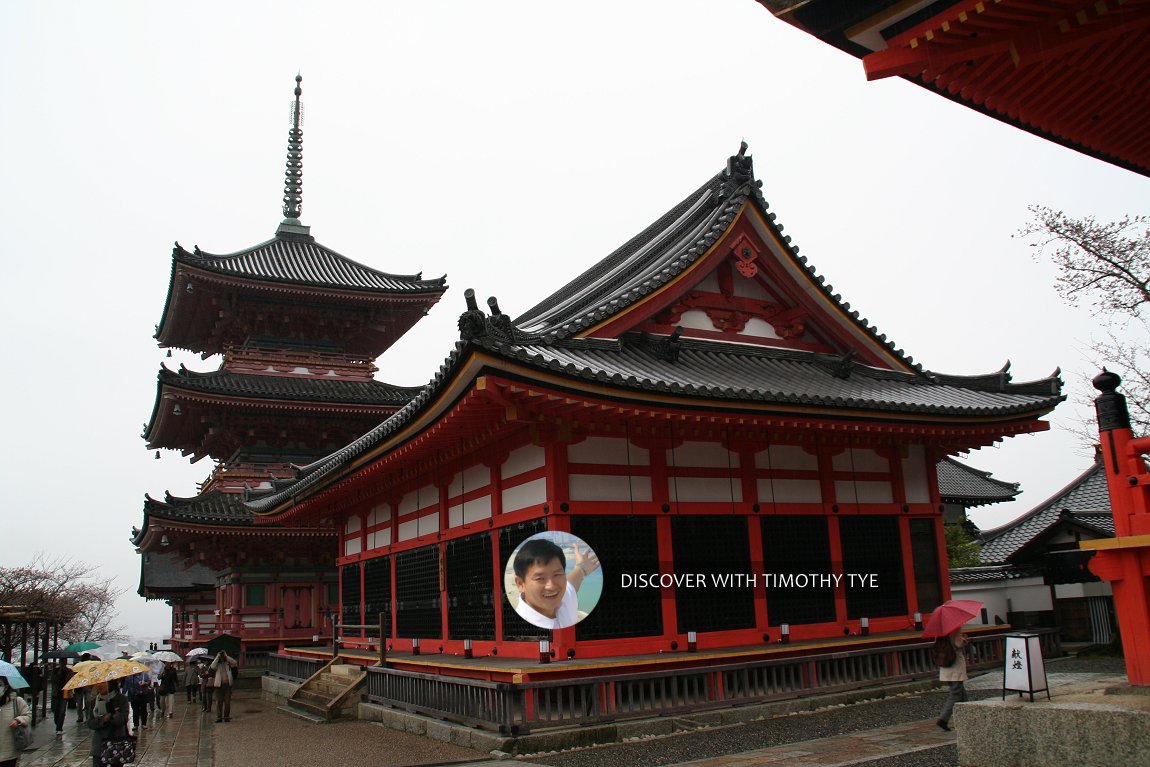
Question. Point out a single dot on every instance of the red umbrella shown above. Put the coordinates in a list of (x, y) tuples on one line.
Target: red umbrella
[(950, 616)]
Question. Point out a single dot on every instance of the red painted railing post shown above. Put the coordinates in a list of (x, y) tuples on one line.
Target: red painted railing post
[(1124, 560)]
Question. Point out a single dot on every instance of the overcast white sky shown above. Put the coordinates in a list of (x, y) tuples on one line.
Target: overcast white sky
[(508, 145)]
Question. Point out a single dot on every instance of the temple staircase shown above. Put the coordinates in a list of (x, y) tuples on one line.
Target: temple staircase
[(330, 693)]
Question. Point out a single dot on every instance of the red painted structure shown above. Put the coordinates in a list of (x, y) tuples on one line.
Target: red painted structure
[(297, 327), (1068, 70), (700, 401), (1125, 559)]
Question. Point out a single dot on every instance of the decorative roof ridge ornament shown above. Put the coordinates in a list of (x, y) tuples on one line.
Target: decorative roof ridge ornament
[(740, 172), (293, 175), (475, 325), (665, 348)]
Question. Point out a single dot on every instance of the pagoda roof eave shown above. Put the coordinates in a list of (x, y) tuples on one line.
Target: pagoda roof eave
[(318, 274), (281, 393)]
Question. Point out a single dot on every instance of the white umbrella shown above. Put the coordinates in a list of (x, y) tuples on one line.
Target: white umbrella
[(197, 651), (167, 656)]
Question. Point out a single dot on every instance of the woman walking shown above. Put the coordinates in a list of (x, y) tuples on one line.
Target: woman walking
[(954, 673), (108, 720), (15, 713)]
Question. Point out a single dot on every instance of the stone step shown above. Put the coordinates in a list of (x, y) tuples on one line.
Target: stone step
[(299, 713), (315, 709)]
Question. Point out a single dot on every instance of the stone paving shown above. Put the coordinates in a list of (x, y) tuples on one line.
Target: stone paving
[(184, 740), (188, 740)]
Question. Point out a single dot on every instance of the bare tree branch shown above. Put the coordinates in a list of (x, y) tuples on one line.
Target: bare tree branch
[(65, 591), (1109, 265)]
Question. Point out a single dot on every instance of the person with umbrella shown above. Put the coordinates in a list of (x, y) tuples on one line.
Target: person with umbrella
[(60, 677), (16, 712), (949, 651), (108, 720)]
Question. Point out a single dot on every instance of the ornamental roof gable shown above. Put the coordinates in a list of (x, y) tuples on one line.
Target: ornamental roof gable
[(717, 266)]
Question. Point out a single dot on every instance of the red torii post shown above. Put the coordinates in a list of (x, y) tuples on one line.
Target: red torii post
[(1125, 559)]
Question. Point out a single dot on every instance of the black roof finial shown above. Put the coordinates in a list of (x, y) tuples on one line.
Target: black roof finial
[(293, 179)]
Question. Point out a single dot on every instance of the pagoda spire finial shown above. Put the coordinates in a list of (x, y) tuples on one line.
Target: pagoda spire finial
[(293, 176), (293, 179)]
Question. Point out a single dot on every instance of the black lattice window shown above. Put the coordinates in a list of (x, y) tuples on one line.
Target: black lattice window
[(515, 628), (417, 605), (924, 550), (797, 545), (871, 544), (715, 548), (470, 598), (623, 545), (377, 595), (349, 594)]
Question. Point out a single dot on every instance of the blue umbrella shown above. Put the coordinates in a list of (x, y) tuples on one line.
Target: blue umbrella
[(13, 675)]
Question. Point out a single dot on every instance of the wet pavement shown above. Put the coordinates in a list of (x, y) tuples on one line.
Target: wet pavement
[(183, 740), (833, 737)]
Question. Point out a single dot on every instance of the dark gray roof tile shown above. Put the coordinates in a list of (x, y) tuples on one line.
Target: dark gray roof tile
[(314, 389), (959, 483), (302, 261), (1086, 499)]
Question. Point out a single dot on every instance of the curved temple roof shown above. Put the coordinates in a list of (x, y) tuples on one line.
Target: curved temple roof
[(546, 340), (300, 260)]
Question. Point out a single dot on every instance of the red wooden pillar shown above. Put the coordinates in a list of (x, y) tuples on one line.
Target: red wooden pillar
[(1125, 559)]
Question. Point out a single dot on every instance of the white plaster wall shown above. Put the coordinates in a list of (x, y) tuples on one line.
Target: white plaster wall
[(859, 459), (429, 523), (702, 454), (477, 508), (593, 487), (418, 499), (690, 489), (863, 492), (527, 494), (1082, 590), (790, 457), (696, 319), (914, 475), (472, 478), (379, 515), (351, 546), (523, 459), (760, 329), (379, 539), (351, 525), (790, 491), (608, 450)]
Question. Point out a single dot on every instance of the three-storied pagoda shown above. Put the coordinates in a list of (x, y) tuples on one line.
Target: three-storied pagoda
[(698, 402), (298, 327)]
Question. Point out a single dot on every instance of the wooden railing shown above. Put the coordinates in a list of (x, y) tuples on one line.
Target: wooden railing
[(519, 708), (292, 667)]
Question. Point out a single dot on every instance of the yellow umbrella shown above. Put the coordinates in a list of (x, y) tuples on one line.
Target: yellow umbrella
[(94, 672)]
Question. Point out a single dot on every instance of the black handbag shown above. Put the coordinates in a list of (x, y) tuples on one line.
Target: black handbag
[(118, 751)]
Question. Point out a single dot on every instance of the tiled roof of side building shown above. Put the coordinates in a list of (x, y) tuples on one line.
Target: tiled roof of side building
[(302, 261), (665, 249), (991, 573), (1085, 500), (314, 389), (213, 507), (959, 483), (165, 573)]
